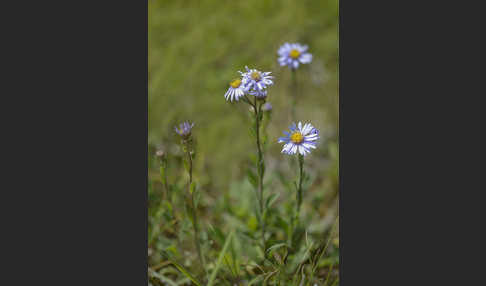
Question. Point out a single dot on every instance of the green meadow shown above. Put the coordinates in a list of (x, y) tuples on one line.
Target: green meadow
[(195, 49)]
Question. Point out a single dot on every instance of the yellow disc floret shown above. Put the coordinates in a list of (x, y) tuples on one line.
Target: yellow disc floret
[(297, 137), (256, 75), (294, 54), (235, 83)]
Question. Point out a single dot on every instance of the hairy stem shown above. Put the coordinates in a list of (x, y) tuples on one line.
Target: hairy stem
[(258, 111), (299, 190), (195, 222), (298, 197)]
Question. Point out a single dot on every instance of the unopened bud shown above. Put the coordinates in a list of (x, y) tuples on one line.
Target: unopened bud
[(267, 107), (159, 153)]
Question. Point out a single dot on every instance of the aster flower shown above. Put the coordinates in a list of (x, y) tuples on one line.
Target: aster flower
[(300, 139), (256, 82), (259, 94), (184, 129), (293, 54), (235, 91)]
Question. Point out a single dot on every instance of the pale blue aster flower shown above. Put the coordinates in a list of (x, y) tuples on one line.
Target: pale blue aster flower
[(184, 129), (256, 82), (235, 91), (259, 94), (300, 139), (292, 55)]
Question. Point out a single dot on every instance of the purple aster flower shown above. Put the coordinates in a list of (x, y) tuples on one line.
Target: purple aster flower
[(235, 91), (292, 55), (300, 139), (184, 129), (256, 82)]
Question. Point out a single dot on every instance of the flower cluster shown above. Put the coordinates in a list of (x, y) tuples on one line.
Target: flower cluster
[(300, 139), (292, 55), (253, 82)]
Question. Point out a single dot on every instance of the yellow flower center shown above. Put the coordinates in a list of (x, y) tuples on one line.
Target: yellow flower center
[(235, 83), (294, 54), (256, 75), (297, 137)]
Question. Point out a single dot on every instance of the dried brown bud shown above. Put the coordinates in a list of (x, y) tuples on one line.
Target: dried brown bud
[(159, 153)]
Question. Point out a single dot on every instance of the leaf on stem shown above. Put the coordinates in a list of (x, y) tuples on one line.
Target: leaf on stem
[(252, 177)]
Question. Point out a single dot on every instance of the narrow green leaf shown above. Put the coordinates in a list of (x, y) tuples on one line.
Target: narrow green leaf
[(189, 210), (256, 280), (265, 282), (335, 282), (327, 244), (252, 132), (220, 258), (162, 278), (197, 197), (186, 165), (162, 172), (252, 178), (192, 187), (275, 246), (271, 199), (185, 272)]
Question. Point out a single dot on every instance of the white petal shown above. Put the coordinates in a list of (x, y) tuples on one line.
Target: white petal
[(287, 147), (308, 145), (305, 58), (312, 137), (293, 150), (306, 129), (301, 150)]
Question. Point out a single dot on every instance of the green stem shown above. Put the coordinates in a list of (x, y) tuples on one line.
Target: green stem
[(299, 190), (293, 94), (163, 170), (195, 222), (258, 111), (298, 197)]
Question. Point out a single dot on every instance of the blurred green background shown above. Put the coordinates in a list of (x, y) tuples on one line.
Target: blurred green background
[(196, 49)]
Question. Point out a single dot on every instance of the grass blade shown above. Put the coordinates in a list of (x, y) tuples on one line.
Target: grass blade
[(256, 280), (220, 258), (185, 272), (276, 246), (162, 278)]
